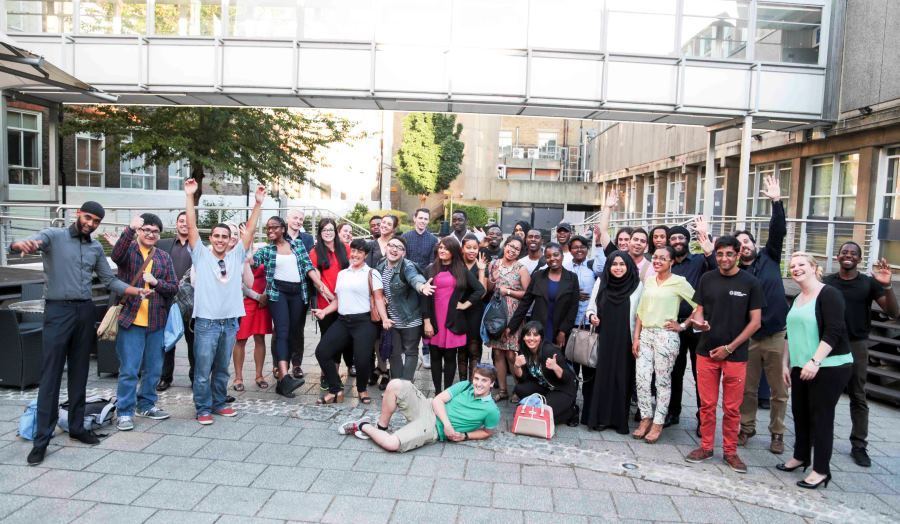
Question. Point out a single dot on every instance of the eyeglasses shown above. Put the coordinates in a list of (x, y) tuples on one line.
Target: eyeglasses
[(328, 230), (398, 247), (514, 249), (149, 232), (222, 267)]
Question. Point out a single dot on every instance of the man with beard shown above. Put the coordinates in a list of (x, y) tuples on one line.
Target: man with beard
[(535, 256), (563, 234), (177, 248), (767, 344), (375, 227), (70, 257), (859, 292), (494, 238), (691, 267)]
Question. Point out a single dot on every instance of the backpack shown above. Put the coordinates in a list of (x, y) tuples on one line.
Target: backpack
[(98, 412), (28, 422)]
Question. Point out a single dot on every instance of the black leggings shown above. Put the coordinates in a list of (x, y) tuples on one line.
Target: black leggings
[(443, 366), (467, 358), (347, 353), (355, 330), (562, 403), (812, 403)]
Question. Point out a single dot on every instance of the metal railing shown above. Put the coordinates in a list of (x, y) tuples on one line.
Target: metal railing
[(530, 152)]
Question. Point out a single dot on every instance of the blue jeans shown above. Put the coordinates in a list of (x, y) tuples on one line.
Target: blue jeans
[(140, 354), (213, 342)]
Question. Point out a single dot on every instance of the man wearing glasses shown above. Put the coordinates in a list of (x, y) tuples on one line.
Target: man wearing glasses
[(464, 411), (218, 304), (142, 320)]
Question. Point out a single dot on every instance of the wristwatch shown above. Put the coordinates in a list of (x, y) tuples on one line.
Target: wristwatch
[(815, 362), (466, 435)]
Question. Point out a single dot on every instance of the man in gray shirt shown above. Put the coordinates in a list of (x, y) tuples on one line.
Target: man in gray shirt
[(71, 257)]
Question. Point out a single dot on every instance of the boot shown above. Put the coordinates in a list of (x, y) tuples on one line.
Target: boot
[(642, 430), (654, 434)]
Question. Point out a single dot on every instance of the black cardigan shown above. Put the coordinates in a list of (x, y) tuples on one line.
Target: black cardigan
[(566, 384), (456, 319), (565, 310), (830, 320)]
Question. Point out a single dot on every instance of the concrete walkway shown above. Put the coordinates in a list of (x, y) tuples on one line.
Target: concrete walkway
[(282, 460)]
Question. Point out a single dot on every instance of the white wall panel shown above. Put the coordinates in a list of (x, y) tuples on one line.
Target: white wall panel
[(791, 92), (639, 82), (258, 66), (409, 69), (580, 18), (566, 78), (114, 63), (182, 64), (318, 70), (487, 73), (715, 87)]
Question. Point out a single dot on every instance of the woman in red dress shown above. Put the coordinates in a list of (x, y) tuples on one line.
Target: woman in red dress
[(256, 323)]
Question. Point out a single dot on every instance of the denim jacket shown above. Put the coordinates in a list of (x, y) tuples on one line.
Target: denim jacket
[(405, 298)]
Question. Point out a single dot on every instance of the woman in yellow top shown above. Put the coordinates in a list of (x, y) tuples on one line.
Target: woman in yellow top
[(656, 341)]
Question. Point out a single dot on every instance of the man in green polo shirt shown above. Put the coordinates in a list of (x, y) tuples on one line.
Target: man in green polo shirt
[(464, 411)]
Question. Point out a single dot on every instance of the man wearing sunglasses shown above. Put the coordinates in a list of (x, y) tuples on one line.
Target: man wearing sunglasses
[(218, 305), (142, 320)]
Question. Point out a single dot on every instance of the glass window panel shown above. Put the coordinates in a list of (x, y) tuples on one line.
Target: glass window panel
[(641, 33), (846, 207), (188, 17), (788, 33), (497, 24), (344, 20), (113, 17), (13, 119), (849, 170), (82, 156), (39, 16), (264, 18), (821, 177), (818, 206), (642, 6), (565, 24), (29, 121), (14, 151), (96, 159), (414, 22), (30, 151)]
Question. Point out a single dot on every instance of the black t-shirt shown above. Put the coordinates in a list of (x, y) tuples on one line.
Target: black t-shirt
[(491, 254), (859, 293), (727, 302)]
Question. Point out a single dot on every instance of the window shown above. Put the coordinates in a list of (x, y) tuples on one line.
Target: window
[(641, 26), (135, 174), (717, 225), (676, 194), (762, 206), (547, 145), (23, 132), (39, 16), (649, 196), (820, 187), (788, 33), (113, 17), (188, 17), (846, 189), (178, 172), (505, 143), (715, 28), (89, 160), (265, 18), (891, 204), (831, 197)]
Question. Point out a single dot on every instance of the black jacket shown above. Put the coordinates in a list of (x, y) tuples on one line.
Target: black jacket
[(830, 320), (565, 310), (767, 268), (567, 384), (456, 319)]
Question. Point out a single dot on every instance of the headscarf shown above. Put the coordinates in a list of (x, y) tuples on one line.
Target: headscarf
[(613, 290)]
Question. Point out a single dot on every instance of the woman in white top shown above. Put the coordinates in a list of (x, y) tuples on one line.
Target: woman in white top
[(354, 324)]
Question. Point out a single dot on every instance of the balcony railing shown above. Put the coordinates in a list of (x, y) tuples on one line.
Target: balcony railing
[(531, 152)]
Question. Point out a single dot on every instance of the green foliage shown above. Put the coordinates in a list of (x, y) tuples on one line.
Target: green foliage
[(218, 213), (404, 217), (430, 153), (268, 145), (477, 215), (358, 213)]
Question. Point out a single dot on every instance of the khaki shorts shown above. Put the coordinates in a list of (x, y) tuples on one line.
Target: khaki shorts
[(420, 428)]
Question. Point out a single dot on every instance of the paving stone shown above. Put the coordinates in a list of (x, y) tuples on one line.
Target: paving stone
[(10, 503), (343, 483), (175, 468), (464, 451), (236, 519), (226, 449), (861, 483), (175, 426), (595, 480), (182, 517), (228, 473), (11, 477), (11, 412), (286, 478), (463, 493), (48, 511), (383, 462), (272, 434), (328, 459), (407, 512), (401, 487), (114, 514), (71, 457), (526, 498), (705, 509), (550, 476), (359, 510), (225, 428), (325, 438), (493, 472), (234, 500), (59, 483), (177, 445), (760, 515), (865, 501), (309, 507), (123, 463), (116, 489), (128, 441), (438, 467), (645, 507), (277, 454), (582, 502), (471, 515), (261, 420), (536, 517), (893, 501), (658, 488), (174, 494)]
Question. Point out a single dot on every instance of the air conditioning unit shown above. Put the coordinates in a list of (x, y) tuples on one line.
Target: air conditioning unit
[(501, 171), (533, 153), (518, 152)]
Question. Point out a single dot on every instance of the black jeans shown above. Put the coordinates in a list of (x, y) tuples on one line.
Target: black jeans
[(406, 342), (856, 388), (356, 330), (562, 403), (812, 403), (68, 337), (689, 341), (443, 366), (168, 369), (324, 325), (297, 337), (286, 313)]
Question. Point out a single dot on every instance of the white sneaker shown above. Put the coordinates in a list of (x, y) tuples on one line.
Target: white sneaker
[(426, 360), (125, 423), (352, 428)]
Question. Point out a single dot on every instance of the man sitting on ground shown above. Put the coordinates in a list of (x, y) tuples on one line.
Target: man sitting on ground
[(464, 411)]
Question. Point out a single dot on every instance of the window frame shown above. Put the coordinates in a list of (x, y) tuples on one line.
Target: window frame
[(91, 137), (40, 147)]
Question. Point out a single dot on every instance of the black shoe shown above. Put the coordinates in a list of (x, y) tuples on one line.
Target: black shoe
[(861, 457), (382, 384), (36, 456), (229, 399), (163, 385), (373, 378), (297, 372), (573, 420), (782, 467), (763, 403), (86, 438), (671, 421), (806, 485)]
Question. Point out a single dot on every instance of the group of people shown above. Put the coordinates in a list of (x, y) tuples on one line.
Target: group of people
[(651, 303)]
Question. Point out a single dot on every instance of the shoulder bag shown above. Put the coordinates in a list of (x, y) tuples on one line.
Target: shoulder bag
[(581, 347), (109, 326), (373, 311)]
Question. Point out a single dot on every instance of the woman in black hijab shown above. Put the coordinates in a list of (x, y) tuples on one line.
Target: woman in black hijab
[(613, 307)]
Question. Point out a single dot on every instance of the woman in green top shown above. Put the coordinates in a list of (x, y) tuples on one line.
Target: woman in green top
[(817, 367), (655, 344)]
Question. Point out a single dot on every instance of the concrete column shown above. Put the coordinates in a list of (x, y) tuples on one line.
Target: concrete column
[(4, 178), (709, 187), (866, 179), (743, 182), (53, 151)]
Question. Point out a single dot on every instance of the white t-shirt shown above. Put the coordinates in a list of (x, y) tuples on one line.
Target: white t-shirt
[(218, 297), (352, 289), (286, 268), (530, 265)]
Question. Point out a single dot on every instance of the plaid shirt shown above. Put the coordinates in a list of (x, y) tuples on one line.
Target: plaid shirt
[(127, 256), (266, 256), (420, 248)]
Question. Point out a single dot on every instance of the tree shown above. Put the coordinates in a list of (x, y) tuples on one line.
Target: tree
[(269, 145), (430, 153)]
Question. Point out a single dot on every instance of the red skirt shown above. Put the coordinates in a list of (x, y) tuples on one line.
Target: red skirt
[(256, 321)]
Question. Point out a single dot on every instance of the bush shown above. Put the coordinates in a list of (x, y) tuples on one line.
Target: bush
[(477, 215), (358, 213)]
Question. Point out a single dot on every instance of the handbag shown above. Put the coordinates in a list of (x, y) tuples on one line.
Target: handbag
[(496, 317), (581, 347), (534, 418), (373, 311), (109, 326)]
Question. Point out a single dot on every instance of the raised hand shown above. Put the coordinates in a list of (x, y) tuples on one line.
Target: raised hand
[(882, 272), (772, 189), (136, 223), (701, 226), (190, 186), (260, 194), (612, 198), (481, 262), (112, 237)]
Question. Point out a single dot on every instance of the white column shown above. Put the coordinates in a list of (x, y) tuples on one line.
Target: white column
[(709, 188), (744, 173), (53, 151)]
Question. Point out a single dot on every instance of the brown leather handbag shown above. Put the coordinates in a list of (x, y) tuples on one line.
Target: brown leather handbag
[(373, 311)]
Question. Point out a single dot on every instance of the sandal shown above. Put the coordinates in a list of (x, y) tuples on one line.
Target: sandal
[(261, 383), (365, 400), (502, 395), (335, 398), (238, 386)]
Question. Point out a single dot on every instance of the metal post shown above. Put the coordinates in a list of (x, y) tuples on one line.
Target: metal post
[(709, 188), (4, 177), (744, 173)]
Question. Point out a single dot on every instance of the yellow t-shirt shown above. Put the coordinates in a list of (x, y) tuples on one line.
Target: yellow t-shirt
[(659, 303), (143, 314)]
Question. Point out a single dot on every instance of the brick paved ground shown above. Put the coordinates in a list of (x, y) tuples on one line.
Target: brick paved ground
[(283, 461)]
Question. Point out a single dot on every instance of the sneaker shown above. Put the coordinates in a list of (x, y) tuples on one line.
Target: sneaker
[(153, 413), (744, 436), (861, 457), (205, 419), (352, 428), (426, 360), (735, 463), (125, 423), (777, 444), (226, 412), (699, 455)]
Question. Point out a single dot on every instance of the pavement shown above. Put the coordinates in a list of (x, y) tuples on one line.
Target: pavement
[(282, 460)]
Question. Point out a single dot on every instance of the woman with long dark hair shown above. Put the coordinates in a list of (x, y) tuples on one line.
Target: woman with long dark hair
[(507, 276), (540, 367), (456, 289), (329, 256), (613, 309), (476, 262)]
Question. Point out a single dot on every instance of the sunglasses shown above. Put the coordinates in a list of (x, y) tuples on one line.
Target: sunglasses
[(222, 267)]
